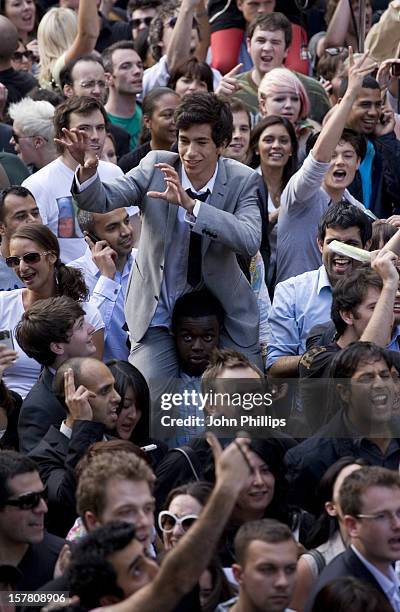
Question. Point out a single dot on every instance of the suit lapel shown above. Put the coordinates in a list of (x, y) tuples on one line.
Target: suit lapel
[(172, 213), (218, 197)]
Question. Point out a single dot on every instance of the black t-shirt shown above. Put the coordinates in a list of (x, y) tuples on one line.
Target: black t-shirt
[(37, 565)]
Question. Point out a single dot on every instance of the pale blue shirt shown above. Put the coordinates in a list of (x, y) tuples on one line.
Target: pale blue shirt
[(108, 295), (174, 283), (390, 586), (299, 303)]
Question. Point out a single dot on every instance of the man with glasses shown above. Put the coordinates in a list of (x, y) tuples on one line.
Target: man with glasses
[(370, 503), (24, 542), (85, 76)]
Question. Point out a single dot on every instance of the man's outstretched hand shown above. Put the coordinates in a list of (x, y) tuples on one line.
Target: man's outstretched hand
[(77, 144), (174, 192)]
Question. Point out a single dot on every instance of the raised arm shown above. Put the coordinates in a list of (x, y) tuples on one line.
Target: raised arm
[(88, 31), (333, 128), (379, 328), (178, 51), (186, 562), (337, 28)]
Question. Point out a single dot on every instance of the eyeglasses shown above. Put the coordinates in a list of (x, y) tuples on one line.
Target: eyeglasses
[(135, 23), (91, 84), (167, 521), (28, 258), (386, 517), (28, 501), (18, 55)]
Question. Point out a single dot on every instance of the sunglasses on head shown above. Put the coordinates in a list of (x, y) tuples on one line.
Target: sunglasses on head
[(167, 521), (135, 23), (28, 258), (28, 501), (18, 55)]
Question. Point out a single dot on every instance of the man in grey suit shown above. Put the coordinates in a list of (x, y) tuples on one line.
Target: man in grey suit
[(198, 211)]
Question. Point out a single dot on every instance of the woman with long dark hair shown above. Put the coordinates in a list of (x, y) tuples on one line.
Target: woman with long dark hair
[(274, 142), (133, 422), (35, 258)]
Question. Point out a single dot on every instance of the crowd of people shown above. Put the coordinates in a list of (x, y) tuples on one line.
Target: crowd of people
[(200, 305)]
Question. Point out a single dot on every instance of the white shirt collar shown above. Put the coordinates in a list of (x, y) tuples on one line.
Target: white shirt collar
[(186, 184), (323, 279)]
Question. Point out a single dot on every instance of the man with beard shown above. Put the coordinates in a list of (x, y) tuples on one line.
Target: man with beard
[(363, 426), (304, 301), (106, 268), (322, 179)]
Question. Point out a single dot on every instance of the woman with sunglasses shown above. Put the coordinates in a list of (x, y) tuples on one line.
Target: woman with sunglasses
[(182, 508), (35, 258), (133, 422), (23, 58)]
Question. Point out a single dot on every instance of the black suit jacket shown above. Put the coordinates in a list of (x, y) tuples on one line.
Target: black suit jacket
[(57, 457), (346, 564), (40, 409)]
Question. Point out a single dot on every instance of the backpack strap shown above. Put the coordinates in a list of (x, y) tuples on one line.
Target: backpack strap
[(318, 558), (191, 458)]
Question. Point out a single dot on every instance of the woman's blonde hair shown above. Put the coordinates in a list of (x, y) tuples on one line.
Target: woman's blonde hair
[(56, 33)]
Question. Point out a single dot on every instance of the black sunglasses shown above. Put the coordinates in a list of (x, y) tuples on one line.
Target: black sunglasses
[(28, 258), (18, 55), (135, 23), (28, 501)]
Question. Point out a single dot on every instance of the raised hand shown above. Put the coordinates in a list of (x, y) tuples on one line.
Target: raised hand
[(174, 192), (233, 465), (77, 143), (384, 263), (229, 84), (358, 69), (77, 400), (387, 122), (384, 76)]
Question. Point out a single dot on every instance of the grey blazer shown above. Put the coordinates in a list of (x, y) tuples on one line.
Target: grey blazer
[(230, 225)]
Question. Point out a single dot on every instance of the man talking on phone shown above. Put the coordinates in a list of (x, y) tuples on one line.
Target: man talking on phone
[(106, 268)]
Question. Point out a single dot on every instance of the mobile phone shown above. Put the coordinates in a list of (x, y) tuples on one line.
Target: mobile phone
[(382, 119), (395, 70), (92, 237), (6, 338)]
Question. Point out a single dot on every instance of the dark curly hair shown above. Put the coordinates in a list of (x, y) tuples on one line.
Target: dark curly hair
[(69, 281), (206, 108)]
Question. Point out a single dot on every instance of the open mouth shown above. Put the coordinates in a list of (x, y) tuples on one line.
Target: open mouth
[(276, 156), (339, 175), (341, 264), (28, 278), (266, 58)]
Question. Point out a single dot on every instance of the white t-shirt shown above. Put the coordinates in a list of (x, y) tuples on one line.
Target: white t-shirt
[(51, 186), (21, 376)]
